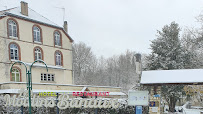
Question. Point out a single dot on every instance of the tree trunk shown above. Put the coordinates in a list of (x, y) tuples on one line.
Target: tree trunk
[(172, 104)]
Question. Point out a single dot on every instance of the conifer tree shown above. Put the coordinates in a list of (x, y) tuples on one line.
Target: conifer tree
[(167, 54)]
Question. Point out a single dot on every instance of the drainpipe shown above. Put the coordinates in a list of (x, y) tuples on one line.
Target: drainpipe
[(73, 77)]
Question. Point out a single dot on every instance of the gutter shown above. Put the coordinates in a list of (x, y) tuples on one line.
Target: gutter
[(61, 85)]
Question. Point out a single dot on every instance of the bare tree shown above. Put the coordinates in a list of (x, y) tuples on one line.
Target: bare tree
[(84, 62), (118, 70)]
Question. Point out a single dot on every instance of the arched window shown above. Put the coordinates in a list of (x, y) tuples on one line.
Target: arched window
[(57, 38), (15, 75), (37, 34), (38, 53), (14, 51), (12, 29), (58, 58)]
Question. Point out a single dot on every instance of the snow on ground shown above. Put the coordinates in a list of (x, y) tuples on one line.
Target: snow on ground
[(185, 110)]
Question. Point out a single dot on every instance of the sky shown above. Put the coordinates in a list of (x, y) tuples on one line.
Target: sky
[(111, 27)]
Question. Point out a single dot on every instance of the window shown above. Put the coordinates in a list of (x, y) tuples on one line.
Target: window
[(58, 58), (38, 54), (47, 77), (57, 38), (155, 90), (37, 34), (15, 75), (12, 29), (14, 51)]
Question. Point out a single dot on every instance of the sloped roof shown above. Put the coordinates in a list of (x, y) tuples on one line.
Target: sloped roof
[(184, 76), (32, 15)]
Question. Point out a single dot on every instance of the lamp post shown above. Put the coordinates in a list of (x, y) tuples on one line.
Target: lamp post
[(28, 79)]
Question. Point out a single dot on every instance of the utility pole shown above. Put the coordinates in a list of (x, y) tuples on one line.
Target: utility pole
[(64, 10)]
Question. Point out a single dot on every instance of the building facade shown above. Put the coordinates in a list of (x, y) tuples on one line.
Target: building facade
[(26, 36), (26, 39)]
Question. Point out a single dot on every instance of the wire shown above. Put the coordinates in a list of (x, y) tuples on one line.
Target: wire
[(63, 11)]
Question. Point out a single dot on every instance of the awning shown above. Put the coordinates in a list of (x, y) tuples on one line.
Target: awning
[(8, 91)]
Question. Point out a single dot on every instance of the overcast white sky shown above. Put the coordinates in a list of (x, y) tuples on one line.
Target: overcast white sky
[(111, 27)]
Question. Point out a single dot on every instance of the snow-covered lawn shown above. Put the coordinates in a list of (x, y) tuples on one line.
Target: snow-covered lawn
[(185, 110), (192, 111), (188, 111)]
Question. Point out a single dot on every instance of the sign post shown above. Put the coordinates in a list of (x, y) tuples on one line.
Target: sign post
[(138, 99)]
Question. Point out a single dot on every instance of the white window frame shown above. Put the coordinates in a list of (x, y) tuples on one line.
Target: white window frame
[(15, 52), (37, 34), (57, 38), (15, 73), (12, 29), (47, 77), (58, 59), (38, 54)]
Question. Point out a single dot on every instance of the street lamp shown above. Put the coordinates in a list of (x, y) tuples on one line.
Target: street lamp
[(29, 79)]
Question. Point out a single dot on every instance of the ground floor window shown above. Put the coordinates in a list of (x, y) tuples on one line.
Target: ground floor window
[(47, 77), (15, 75)]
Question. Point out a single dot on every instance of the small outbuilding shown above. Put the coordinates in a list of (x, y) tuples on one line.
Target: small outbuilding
[(156, 78)]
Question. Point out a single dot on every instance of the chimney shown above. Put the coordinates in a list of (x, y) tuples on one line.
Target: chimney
[(65, 26), (138, 57), (24, 8)]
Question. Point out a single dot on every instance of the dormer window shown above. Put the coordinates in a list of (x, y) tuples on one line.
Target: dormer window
[(12, 28), (37, 34), (57, 38)]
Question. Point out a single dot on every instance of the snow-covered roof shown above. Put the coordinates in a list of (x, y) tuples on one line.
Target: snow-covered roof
[(48, 66), (184, 76), (57, 91), (32, 16), (61, 85)]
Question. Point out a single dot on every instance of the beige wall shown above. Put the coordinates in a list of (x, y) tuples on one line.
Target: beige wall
[(26, 47)]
